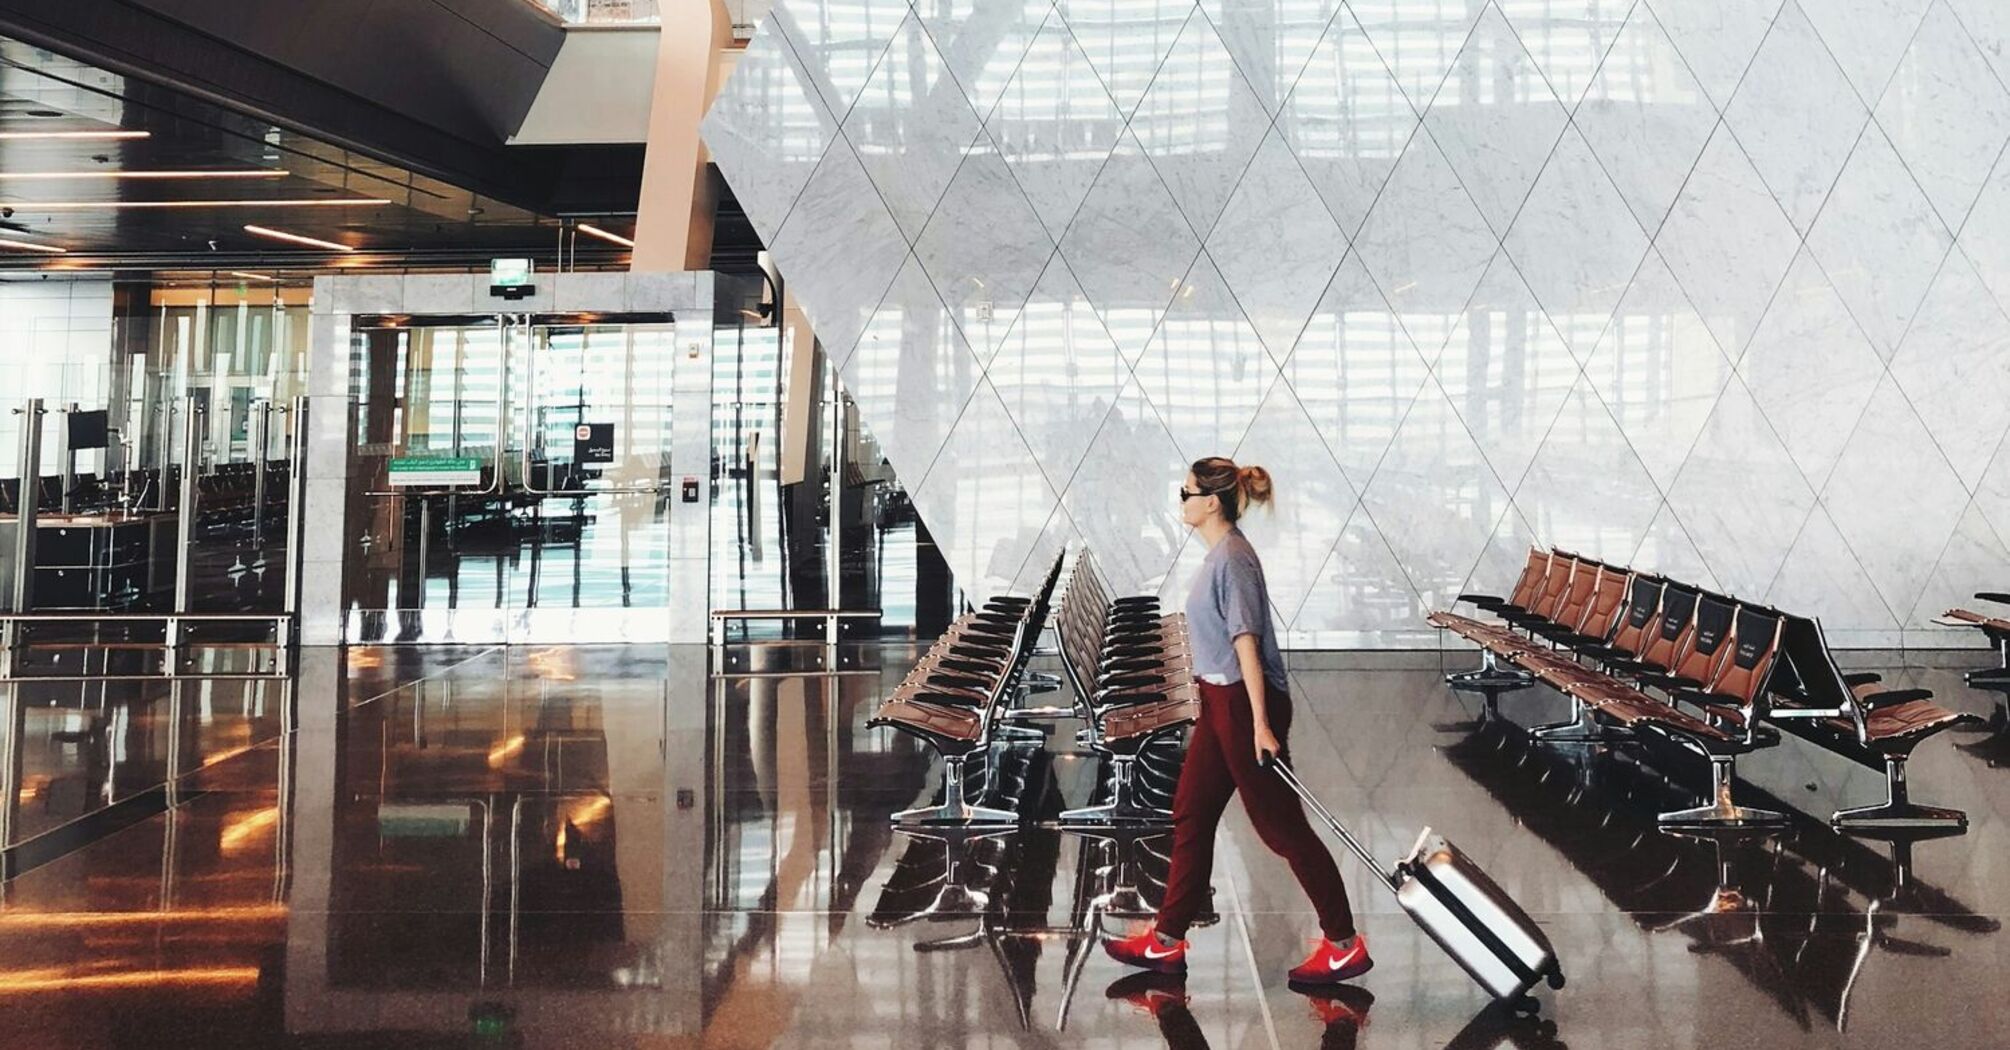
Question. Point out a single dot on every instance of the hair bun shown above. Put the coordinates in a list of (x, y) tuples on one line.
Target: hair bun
[(1255, 484)]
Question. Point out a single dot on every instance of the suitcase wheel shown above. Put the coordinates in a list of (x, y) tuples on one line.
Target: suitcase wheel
[(1526, 1006), (1556, 978)]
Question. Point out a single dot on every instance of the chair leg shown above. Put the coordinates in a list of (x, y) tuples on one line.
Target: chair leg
[(1490, 681), (954, 809), (1579, 728), (1722, 812), (1897, 811)]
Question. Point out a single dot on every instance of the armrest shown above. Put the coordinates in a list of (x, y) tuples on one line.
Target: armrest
[(1670, 682), (1999, 597), (1894, 696), (1862, 678)]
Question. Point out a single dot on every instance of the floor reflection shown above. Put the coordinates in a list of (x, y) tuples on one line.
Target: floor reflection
[(540, 847)]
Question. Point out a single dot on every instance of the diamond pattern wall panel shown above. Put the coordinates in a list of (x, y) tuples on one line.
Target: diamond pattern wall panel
[(1719, 287)]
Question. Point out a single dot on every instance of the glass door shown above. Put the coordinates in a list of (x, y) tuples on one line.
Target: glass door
[(517, 473)]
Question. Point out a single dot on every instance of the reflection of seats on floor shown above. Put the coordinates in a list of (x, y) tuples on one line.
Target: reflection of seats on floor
[(1772, 907)]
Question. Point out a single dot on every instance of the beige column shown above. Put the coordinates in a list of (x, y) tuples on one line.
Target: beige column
[(673, 227)]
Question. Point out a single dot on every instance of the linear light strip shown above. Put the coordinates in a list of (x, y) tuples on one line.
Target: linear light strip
[(74, 136), (252, 173), (252, 276), (32, 247), (595, 231), (345, 202), (294, 238)]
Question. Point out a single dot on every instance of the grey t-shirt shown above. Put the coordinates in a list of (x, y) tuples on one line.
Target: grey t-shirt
[(1228, 600)]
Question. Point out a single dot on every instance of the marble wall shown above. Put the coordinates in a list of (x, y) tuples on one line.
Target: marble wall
[(1716, 287)]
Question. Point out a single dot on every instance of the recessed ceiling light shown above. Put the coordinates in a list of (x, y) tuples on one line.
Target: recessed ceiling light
[(346, 202), (28, 247), (294, 238), (595, 231), (79, 136), (252, 173)]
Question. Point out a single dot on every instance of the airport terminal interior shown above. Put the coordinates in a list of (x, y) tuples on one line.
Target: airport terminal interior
[(692, 523)]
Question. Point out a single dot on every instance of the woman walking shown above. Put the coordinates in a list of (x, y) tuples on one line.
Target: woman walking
[(1245, 718)]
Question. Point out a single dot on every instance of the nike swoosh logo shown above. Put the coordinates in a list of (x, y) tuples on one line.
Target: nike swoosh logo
[(1334, 965), (1167, 954)]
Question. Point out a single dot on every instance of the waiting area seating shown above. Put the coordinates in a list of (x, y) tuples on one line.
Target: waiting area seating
[(1650, 659), (1133, 685), (1996, 629)]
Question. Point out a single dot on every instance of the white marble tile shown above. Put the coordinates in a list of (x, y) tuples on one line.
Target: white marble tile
[(1425, 242), (1058, 371), (1585, 490), (1126, 40), (1716, 37), (1955, 368), (984, 501), (1658, 370), (910, 127), (1879, 240), (839, 41), (1355, 370), (1893, 497), (1271, 40), (839, 248), (1823, 578), (1057, 535), (1568, 39), (984, 248), (1988, 24), (1436, 498), (1496, 119), (1200, 122), (1360, 592), (768, 128), (1205, 370), (1125, 496), (1418, 41), (1796, 116), (1985, 238), (1313, 498), (1576, 242), (1740, 496), (1055, 125), (1811, 369), (1507, 371), (1974, 553), (1727, 242), (1129, 246), (911, 374), (1867, 37), (1992, 495), (1276, 245), (1668, 550), (1502, 558), (1947, 114), (1347, 121), (1646, 117), (983, 41)]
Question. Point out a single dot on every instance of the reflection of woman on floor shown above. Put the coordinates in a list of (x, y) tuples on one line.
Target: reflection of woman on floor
[(1245, 718), (1342, 1010)]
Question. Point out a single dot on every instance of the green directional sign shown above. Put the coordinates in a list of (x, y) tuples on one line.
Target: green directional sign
[(426, 471)]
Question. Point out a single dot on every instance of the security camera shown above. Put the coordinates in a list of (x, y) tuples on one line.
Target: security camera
[(212, 246)]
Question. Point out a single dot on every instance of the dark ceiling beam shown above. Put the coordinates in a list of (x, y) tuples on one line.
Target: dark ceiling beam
[(457, 140)]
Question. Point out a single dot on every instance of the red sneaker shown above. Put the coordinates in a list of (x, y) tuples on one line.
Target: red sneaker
[(1147, 951), (1333, 963), (1340, 1004)]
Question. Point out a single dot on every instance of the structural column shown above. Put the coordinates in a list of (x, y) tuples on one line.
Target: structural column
[(673, 228)]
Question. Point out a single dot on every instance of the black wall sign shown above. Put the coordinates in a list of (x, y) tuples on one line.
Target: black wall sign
[(593, 443)]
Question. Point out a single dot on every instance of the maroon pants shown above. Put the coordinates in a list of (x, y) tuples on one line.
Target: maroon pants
[(1221, 760)]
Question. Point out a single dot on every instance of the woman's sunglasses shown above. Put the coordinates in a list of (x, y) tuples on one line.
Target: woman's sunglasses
[(1184, 495)]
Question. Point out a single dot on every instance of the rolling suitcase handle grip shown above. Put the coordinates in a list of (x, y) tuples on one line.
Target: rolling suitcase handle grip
[(1284, 770)]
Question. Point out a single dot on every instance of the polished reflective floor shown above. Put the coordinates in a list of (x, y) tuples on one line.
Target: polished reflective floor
[(601, 847)]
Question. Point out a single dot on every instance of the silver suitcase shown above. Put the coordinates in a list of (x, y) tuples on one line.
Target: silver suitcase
[(1478, 925)]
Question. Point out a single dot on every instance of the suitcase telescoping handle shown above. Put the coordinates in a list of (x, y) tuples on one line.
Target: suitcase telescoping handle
[(1284, 770)]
